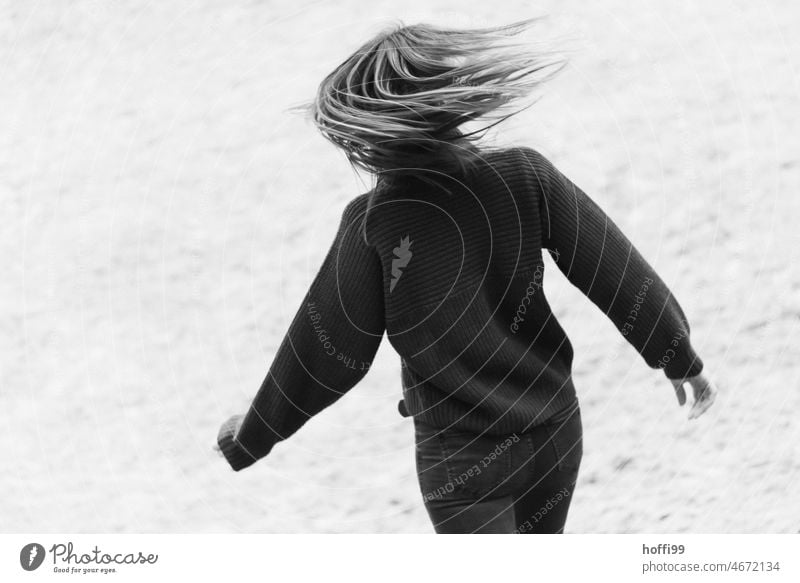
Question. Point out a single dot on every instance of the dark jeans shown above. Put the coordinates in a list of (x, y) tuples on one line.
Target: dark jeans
[(521, 484)]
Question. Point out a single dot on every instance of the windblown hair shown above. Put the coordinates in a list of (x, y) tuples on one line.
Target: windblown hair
[(395, 105)]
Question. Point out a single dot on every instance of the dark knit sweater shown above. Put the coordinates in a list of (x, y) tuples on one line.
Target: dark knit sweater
[(453, 274)]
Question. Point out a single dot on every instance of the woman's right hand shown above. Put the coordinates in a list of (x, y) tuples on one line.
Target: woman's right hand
[(705, 393)]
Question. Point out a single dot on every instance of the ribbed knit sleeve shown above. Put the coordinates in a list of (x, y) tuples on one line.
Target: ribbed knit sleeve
[(328, 348), (598, 259)]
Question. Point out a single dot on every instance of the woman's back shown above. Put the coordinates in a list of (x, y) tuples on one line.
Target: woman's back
[(469, 231), (480, 346)]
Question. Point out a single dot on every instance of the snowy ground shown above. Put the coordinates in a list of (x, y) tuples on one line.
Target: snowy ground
[(163, 215)]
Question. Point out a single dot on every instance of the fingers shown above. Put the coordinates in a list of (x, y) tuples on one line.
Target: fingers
[(228, 430), (704, 397), (703, 390), (700, 407), (229, 427), (679, 392)]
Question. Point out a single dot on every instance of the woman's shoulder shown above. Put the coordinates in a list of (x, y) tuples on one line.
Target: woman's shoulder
[(354, 204), (528, 156), (529, 153), (520, 160)]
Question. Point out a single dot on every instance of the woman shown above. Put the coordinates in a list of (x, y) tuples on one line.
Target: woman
[(444, 254)]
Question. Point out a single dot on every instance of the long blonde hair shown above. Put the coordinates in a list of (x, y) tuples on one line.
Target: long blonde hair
[(395, 105)]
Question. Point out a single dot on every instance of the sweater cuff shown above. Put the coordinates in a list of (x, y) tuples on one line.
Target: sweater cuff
[(682, 367)]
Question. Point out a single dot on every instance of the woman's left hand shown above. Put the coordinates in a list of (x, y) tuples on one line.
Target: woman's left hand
[(705, 393)]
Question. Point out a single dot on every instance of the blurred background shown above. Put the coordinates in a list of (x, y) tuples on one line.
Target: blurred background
[(163, 215)]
